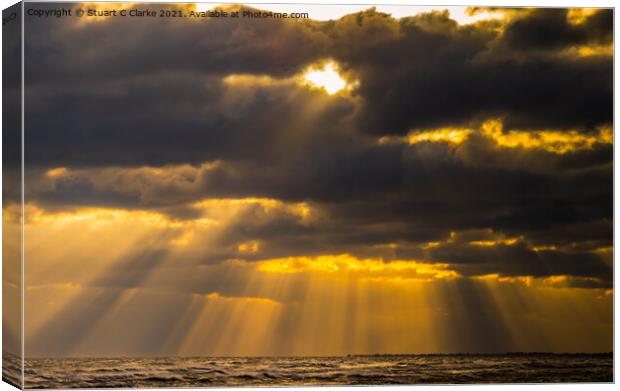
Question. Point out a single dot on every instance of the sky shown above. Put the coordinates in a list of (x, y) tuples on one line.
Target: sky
[(375, 181)]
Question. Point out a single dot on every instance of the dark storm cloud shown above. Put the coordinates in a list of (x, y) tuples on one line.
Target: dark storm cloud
[(105, 99), (425, 77), (69, 51), (519, 260), (426, 196), (550, 29), (122, 89), (381, 194), (178, 119)]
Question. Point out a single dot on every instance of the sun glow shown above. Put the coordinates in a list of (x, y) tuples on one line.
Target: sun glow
[(326, 78)]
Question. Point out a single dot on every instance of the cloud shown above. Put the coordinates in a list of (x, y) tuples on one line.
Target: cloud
[(553, 29), (448, 75), (426, 71), (178, 158)]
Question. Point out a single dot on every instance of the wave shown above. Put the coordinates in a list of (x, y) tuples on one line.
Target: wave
[(304, 371)]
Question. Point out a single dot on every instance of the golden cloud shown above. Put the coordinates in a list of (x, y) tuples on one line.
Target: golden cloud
[(553, 141), (348, 264)]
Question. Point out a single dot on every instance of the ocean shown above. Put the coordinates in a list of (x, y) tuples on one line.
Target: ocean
[(314, 371)]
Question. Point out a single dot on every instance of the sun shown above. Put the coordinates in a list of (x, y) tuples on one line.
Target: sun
[(326, 78)]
